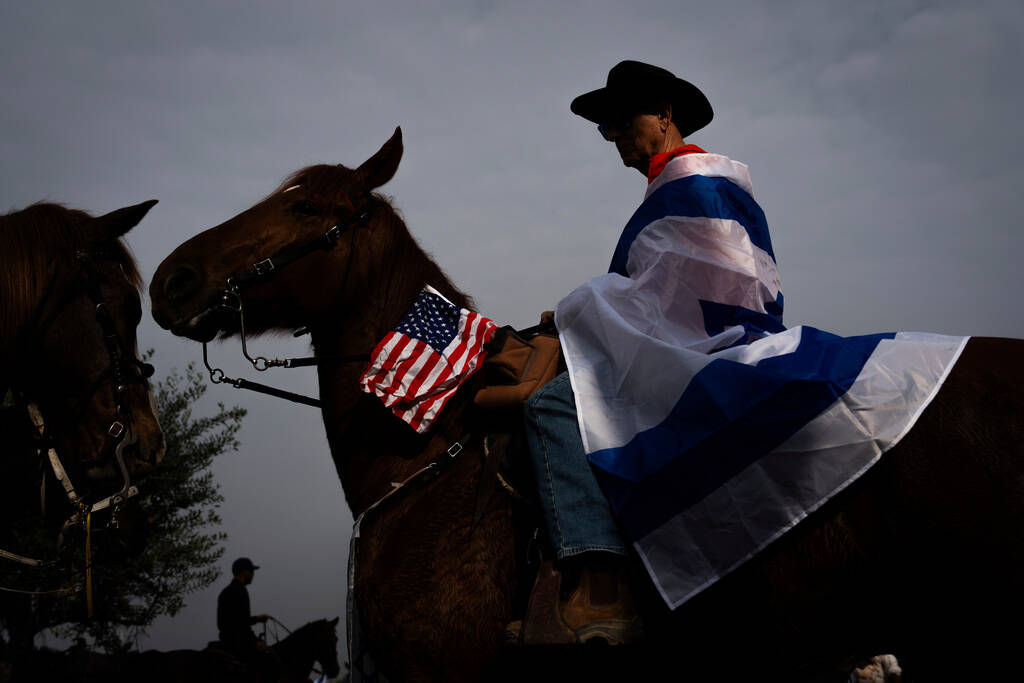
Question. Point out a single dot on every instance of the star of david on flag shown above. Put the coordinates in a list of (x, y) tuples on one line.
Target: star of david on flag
[(420, 364)]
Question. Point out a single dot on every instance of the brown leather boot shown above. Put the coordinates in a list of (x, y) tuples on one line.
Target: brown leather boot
[(601, 605), (543, 624)]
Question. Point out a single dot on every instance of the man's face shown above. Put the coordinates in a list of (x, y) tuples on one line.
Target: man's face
[(245, 576), (637, 138)]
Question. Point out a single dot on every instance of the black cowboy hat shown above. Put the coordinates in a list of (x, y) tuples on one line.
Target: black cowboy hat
[(635, 84)]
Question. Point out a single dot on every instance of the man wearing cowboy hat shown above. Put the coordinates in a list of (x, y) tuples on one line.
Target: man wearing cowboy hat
[(646, 112)]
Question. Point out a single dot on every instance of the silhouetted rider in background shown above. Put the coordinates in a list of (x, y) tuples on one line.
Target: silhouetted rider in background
[(233, 616)]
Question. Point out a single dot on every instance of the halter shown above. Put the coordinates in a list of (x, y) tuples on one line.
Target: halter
[(118, 368), (119, 430), (263, 271)]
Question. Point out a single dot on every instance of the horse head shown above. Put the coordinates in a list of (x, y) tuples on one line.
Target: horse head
[(323, 252), (68, 333), (325, 647), (327, 216)]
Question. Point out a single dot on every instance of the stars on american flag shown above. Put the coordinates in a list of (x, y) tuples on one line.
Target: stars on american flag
[(433, 320)]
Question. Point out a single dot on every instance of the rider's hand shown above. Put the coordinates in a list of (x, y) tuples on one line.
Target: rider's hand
[(262, 618), (547, 317), (262, 646)]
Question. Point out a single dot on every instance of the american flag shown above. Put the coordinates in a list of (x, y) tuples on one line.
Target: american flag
[(418, 365)]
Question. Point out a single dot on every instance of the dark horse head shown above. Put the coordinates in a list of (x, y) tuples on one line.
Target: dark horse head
[(71, 303), (188, 288)]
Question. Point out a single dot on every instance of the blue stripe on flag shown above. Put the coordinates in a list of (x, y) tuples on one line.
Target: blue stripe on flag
[(695, 195), (729, 415), (718, 316)]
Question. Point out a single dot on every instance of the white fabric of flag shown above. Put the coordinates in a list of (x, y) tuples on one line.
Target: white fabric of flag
[(711, 427)]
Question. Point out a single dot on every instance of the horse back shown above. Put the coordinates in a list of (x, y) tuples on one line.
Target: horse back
[(914, 557)]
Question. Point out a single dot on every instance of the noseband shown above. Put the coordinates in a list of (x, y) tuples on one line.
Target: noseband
[(264, 271)]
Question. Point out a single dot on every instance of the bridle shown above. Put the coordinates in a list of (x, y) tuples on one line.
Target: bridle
[(263, 271), (120, 428), (231, 300), (120, 362)]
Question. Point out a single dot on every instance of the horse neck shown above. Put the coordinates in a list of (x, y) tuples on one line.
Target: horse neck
[(296, 653), (370, 448)]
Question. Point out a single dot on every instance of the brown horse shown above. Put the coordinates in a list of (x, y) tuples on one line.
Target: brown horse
[(910, 559), (69, 290)]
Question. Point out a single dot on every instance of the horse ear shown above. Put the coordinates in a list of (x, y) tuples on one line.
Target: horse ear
[(381, 167), (116, 223), (334, 621)]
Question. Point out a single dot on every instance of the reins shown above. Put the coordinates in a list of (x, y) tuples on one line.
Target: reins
[(277, 622), (263, 271)]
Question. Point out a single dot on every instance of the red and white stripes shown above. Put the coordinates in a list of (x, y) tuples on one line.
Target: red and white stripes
[(414, 380)]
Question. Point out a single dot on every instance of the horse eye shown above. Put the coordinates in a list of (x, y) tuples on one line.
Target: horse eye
[(305, 208)]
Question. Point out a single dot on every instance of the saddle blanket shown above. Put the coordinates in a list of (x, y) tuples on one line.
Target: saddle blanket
[(712, 429)]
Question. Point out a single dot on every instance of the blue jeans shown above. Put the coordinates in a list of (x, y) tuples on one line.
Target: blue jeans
[(575, 511)]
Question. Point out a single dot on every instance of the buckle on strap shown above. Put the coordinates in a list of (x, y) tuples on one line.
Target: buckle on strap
[(454, 450), (263, 267), (332, 236)]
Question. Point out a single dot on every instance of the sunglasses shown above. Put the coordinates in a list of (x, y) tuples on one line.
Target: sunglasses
[(622, 124)]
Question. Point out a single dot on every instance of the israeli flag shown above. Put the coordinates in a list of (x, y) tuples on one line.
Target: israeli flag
[(712, 428)]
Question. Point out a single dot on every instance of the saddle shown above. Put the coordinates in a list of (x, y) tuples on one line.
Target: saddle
[(517, 364)]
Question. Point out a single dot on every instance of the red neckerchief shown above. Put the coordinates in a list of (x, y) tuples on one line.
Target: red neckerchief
[(659, 161)]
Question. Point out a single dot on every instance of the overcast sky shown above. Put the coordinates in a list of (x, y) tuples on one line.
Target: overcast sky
[(882, 138)]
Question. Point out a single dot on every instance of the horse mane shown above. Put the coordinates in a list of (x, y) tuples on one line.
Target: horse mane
[(308, 626), (38, 243)]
